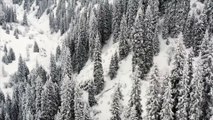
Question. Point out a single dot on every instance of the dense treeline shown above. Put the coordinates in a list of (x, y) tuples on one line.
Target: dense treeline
[(184, 94)]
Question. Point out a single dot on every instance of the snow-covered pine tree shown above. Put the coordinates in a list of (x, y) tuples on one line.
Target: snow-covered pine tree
[(11, 54), (154, 100), (116, 20), (199, 31), (35, 48), (184, 93), (177, 76), (168, 103), (113, 68), (39, 89), (91, 95), (49, 101), (79, 104), (68, 68), (58, 53), (124, 47), (23, 70), (116, 106), (135, 105), (188, 33), (93, 28), (98, 68), (53, 69), (67, 93), (104, 21), (132, 8), (196, 99), (5, 49), (83, 44), (25, 21), (208, 10), (138, 36), (206, 63)]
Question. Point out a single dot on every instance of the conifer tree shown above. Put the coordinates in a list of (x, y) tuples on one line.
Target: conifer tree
[(116, 107), (98, 68), (93, 28), (58, 53), (67, 110), (49, 101), (25, 21), (35, 48), (11, 54), (116, 20), (91, 95), (79, 104), (39, 89), (132, 8), (124, 47), (208, 10), (167, 106), (154, 101), (177, 76), (188, 33), (53, 69), (113, 68), (196, 94), (135, 105)]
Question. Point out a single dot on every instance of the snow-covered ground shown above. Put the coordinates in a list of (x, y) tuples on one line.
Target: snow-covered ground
[(38, 30)]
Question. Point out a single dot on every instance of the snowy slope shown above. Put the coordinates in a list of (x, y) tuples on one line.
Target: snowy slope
[(38, 30)]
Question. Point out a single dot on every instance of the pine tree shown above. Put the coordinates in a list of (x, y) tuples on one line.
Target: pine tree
[(154, 101), (206, 63), (184, 93), (135, 105), (199, 31), (67, 99), (177, 76), (208, 10), (79, 104), (39, 89), (113, 68), (53, 69), (138, 36), (124, 47), (11, 54), (98, 68), (91, 95), (25, 21), (196, 94), (8, 108), (132, 8), (16, 32), (188, 33), (82, 45), (104, 21), (5, 49), (167, 106), (35, 48), (93, 28), (116, 107), (58, 53), (116, 20), (49, 101)]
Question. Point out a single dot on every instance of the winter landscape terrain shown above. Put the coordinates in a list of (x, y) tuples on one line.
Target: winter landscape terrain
[(106, 59)]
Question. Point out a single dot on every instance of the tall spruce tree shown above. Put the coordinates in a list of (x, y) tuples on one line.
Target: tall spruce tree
[(154, 101), (98, 68), (116, 20), (49, 101), (67, 99), (135, 105), (116, 107), (124, 47), (53, 69), (113, 68)]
